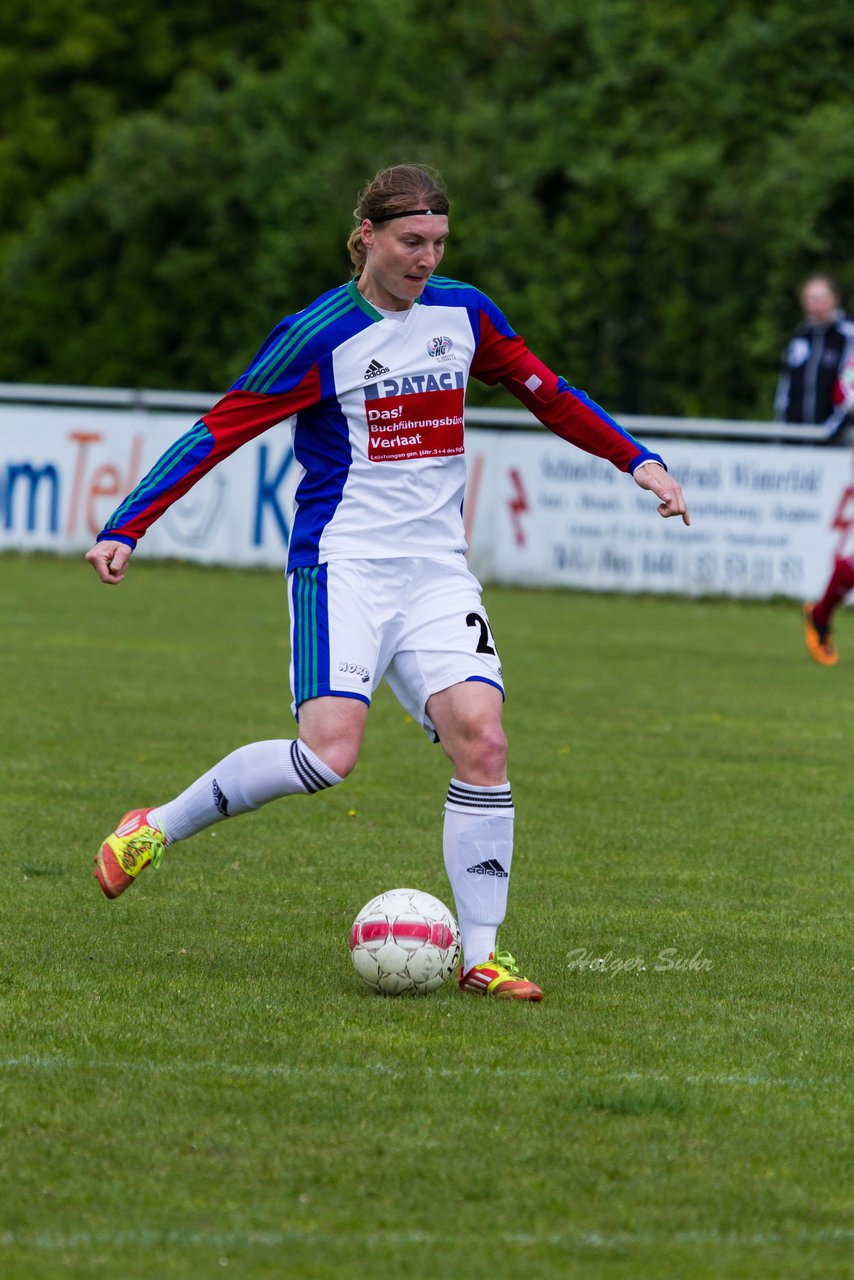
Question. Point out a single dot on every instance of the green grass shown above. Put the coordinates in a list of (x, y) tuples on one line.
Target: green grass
[(192, 1079)]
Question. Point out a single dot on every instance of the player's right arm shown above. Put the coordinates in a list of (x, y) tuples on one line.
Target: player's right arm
[(291, 373), (234, 420), (109, 559), (291, 385)]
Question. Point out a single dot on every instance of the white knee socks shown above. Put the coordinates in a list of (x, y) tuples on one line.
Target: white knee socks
[(246, 779), (477, 838), (478, 847)]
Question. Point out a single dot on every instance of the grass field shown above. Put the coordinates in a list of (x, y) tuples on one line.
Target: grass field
[(195, 1083)]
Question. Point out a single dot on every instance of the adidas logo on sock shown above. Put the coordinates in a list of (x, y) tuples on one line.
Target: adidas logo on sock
[(220, 799), (374, 370), (492, 867)]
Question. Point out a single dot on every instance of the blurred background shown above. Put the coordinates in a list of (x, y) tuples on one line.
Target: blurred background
[(642, 187)]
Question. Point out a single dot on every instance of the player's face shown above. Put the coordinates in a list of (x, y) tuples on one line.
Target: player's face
[(402, 256), (819, 301)]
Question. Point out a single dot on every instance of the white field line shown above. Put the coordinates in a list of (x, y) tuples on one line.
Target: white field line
[(324, 1237), (59, 1063)]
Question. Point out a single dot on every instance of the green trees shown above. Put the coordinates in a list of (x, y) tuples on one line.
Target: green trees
[(641, 187)]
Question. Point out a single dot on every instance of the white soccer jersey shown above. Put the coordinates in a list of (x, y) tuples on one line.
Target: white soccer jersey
[(377, 416), (401, 391)]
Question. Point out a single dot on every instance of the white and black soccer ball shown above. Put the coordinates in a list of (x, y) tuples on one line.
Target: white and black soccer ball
[(405, 942)]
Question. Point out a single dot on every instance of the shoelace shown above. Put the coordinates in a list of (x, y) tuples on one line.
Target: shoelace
[(508, 962), (150, 845)]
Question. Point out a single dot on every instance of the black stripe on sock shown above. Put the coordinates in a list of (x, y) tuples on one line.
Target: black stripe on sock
[(305, 770), (479, 799)]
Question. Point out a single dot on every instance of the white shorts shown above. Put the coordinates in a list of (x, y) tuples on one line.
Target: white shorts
[(418, 623)]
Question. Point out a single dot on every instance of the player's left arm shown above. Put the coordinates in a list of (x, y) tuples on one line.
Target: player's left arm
[(655, 477), (502, 356)]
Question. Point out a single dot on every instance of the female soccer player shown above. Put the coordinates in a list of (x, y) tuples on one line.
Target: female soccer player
[(373, 375)]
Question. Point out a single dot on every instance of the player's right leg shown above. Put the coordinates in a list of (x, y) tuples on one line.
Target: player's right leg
[(332, 711), (249, 777), (245, 780), (134, 845)]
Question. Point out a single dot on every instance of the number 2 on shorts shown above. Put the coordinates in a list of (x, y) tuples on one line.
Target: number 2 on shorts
[(483, 645)]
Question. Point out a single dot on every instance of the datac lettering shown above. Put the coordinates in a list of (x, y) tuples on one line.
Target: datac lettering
[(415, 383)]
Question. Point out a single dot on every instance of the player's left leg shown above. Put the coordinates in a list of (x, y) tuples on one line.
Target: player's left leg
[(447, 673), (478, 833)]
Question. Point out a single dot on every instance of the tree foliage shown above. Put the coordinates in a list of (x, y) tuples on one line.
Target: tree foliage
[(639, 187)]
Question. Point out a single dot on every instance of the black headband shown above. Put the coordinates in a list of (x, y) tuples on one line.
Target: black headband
[(409, 213)]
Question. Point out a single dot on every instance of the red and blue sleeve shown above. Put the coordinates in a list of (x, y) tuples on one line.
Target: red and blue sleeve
[(284, 378), (502, 356), (238, 417)]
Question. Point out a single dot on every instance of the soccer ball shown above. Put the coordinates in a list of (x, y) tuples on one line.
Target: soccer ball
[(405, 942)]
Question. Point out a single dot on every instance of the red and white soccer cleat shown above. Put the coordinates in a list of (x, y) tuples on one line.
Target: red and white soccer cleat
[(131, 847), (499, 976)]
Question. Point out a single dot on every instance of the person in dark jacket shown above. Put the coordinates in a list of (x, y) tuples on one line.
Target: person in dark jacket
[(808, 388)]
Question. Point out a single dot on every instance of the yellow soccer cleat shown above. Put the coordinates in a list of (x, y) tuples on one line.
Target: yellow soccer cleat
[(818, 639), (132, 846), (499, 976)]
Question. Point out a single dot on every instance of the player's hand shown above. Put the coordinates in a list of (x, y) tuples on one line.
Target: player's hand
[(652, 476), (109, 559)]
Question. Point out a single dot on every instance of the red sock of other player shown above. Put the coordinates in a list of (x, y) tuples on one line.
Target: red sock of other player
[(841, 582)]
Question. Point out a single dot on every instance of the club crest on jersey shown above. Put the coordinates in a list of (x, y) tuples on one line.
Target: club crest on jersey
[(439, 346)]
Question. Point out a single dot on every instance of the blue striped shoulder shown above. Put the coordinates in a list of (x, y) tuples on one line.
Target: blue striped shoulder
[(443, 292), (299, 341)]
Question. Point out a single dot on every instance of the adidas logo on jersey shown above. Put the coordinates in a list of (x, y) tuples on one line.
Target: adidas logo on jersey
[(374, 370), (492, 867)]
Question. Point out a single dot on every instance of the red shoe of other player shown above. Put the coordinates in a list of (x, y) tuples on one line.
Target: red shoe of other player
[(818, 639)]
